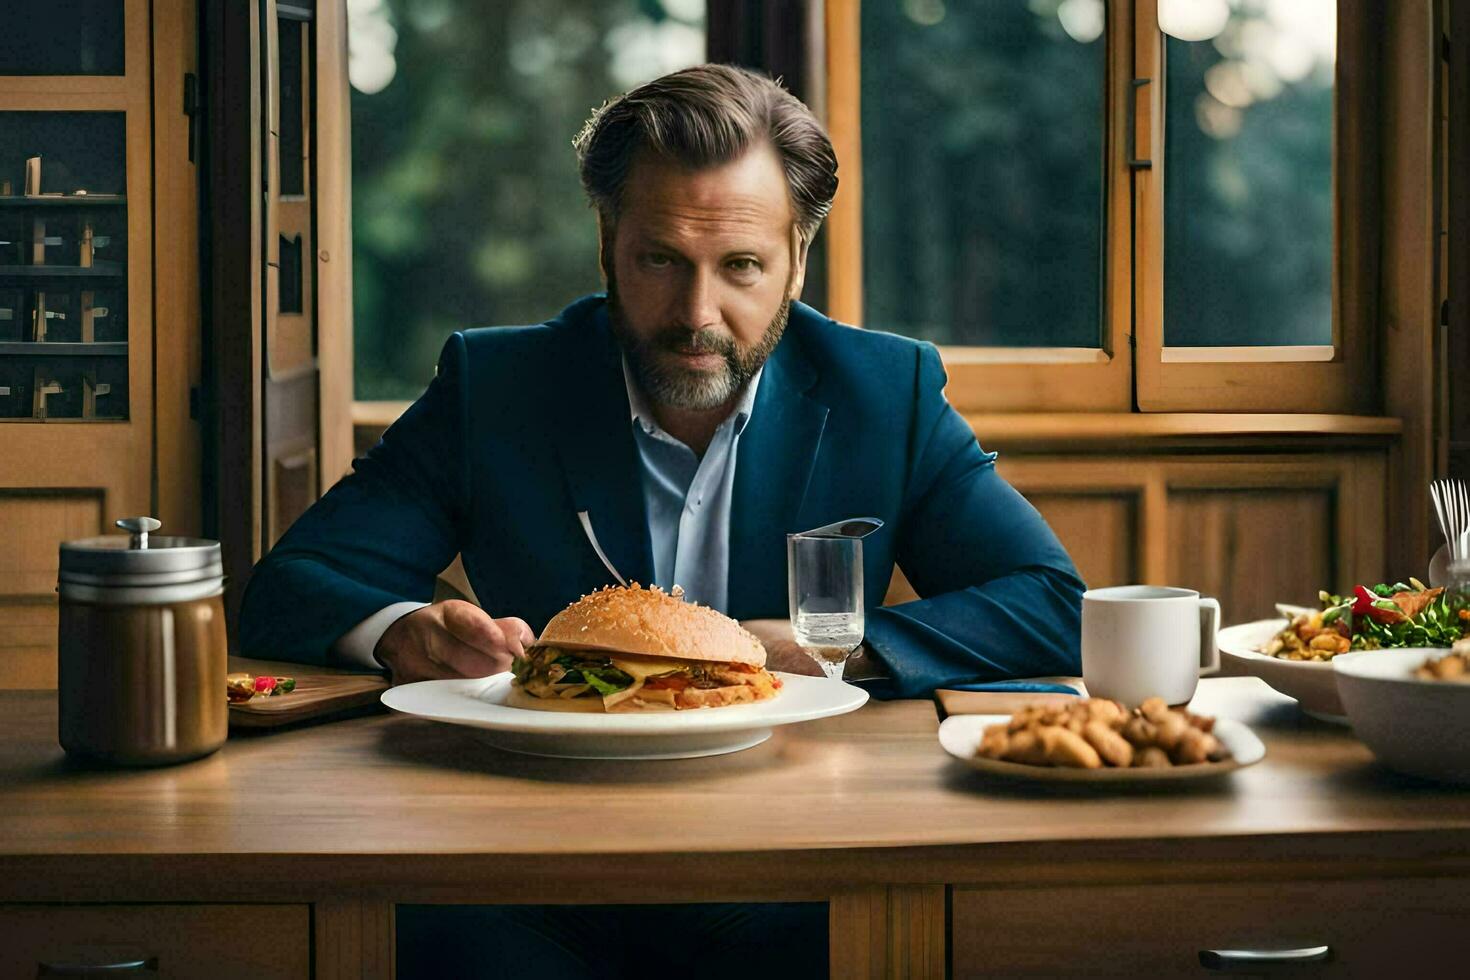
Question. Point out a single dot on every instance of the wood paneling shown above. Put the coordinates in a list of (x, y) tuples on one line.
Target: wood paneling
[(1374, 928), (1100, 531), (1455, 286), (178, 356), (36, 522), (333, 256), (353, 940), (234, 507), (857, 931), (893, 932), (222, 942), (28, 645), (293, 489), (844, 124), (1253, 548), (1215, 522), (1409, 255)]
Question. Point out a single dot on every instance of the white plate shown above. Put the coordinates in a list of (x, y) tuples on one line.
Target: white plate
[(960, 735), (480, 703), (1311, 682)]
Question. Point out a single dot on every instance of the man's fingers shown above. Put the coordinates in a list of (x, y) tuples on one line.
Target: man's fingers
[(472, 625), (515, 627), (463, 660)]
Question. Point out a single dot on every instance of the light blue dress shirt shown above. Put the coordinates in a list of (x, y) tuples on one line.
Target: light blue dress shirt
[(688, 503), (688, 498)]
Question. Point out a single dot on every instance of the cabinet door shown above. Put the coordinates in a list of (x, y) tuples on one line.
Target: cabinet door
[(1370, 928), (281, 254), (77, 328), (1250, 530), (222, 942)]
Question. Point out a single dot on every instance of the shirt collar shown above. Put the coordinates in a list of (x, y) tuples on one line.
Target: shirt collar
[(640, 410)]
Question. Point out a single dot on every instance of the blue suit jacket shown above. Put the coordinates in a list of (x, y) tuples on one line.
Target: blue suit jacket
[(523, 427)]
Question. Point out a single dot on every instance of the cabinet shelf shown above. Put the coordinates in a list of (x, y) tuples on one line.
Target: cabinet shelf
[(118, 348), (98, 270), (64, 201)]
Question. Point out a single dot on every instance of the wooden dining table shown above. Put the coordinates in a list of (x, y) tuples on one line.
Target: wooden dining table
[(314, 834)]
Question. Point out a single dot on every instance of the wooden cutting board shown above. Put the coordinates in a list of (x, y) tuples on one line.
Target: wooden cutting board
[(1003, 702), (321, 693)]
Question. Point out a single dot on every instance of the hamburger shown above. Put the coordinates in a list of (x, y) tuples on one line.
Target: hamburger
[(636, 649)]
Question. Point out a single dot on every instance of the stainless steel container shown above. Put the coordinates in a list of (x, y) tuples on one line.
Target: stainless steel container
[(142, 655)]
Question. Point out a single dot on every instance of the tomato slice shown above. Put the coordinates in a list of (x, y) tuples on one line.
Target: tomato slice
[(671, 682)]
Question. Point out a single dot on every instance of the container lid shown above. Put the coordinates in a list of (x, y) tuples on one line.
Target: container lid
[(140, 558)]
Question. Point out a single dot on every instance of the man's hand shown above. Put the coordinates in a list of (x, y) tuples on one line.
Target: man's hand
[(784, 653), (452, 638), (782, 650)]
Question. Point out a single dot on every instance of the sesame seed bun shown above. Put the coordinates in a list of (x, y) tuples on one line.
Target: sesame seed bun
[(651, 623)]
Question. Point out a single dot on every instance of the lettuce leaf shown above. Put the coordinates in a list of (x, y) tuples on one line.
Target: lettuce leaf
[(606, 680)]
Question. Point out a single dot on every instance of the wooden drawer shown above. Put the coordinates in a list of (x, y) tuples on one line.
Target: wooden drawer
[(221, 942), (1373, 928)]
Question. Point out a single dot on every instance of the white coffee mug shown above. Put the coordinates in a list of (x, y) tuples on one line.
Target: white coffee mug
[(1142, 641)]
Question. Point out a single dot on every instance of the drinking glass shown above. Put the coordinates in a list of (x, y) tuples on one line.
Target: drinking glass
[(824, 577)]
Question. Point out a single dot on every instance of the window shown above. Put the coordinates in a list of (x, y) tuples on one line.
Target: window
[(467, 209), (982, 142), (1248, 200), (1152, 204)]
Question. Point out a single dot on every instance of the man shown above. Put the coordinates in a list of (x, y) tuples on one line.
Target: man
[(696, 414)]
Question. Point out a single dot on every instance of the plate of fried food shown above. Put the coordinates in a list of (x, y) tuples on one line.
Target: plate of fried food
[(1294, 653), (1097, 740)]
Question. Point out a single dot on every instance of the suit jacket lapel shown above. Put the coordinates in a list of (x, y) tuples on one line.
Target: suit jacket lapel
[(773, 468), (595, 441)]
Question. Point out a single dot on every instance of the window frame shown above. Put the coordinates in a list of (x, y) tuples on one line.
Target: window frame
[(985, 379), (1134, 370), (1339, 378)]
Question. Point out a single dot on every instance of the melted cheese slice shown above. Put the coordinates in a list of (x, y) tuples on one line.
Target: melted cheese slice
[(641, 670)]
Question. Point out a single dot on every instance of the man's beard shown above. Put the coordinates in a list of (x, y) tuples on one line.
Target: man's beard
[(675, 386)]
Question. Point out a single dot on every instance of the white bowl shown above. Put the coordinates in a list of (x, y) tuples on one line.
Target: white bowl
[(1415, 726), (1311, 682)]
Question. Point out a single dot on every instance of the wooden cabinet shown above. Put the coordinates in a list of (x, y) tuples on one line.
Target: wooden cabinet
[(1251, 530), (98, 322), (222, 942), (116, 398), (1371, 928)]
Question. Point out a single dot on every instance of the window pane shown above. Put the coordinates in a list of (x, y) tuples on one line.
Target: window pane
[(1248, 181), (61, 37), (466, 206), (982, 129)]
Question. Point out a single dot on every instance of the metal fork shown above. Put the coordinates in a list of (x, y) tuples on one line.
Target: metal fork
[(1452, 508)]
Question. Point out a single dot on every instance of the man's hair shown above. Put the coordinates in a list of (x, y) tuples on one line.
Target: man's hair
[(705, 116)]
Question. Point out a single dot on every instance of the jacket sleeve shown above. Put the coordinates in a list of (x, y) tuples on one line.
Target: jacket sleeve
[(1001, 598), (379, 537)]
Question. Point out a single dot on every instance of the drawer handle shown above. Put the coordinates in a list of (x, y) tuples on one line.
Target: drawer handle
[(120, 968), (1224, 959)]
